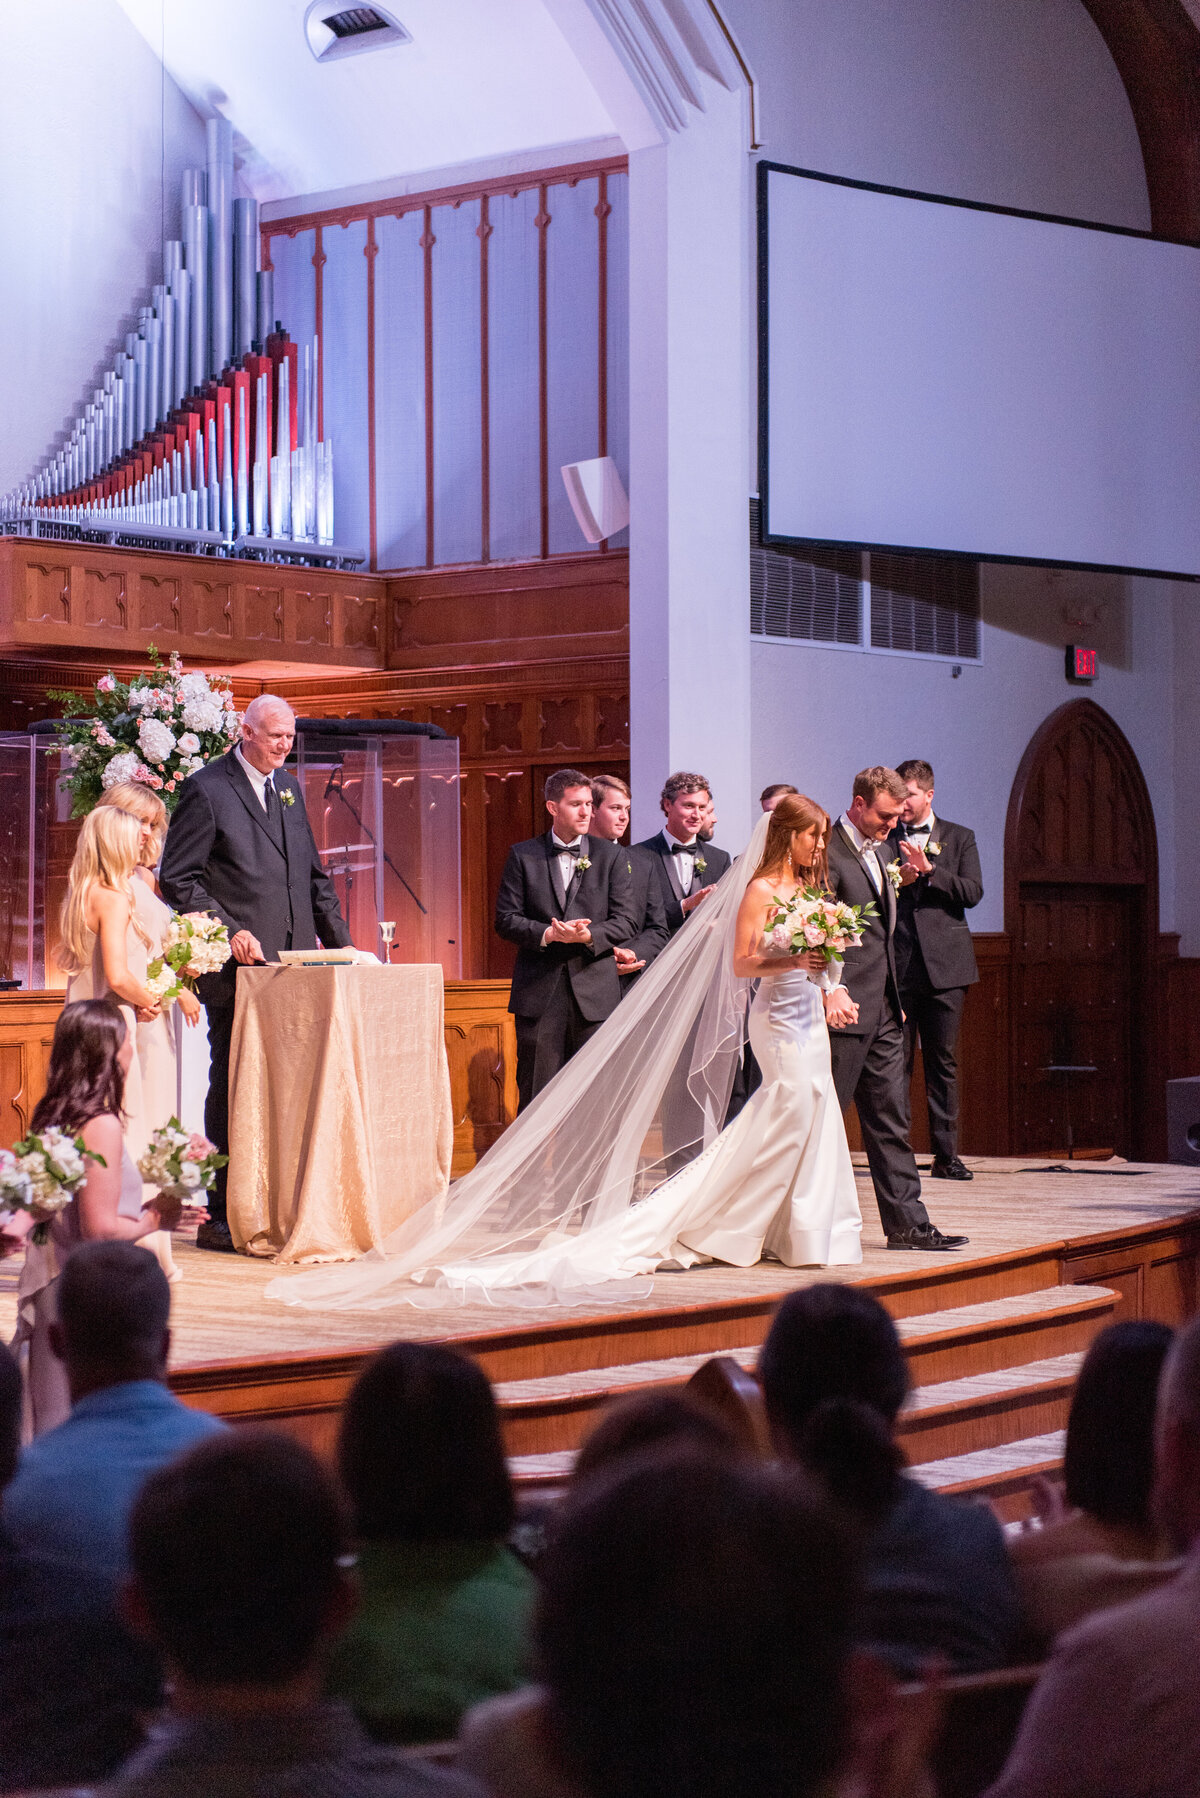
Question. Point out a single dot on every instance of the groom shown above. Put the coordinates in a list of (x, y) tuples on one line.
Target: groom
[(240, 846), (865, 1015)]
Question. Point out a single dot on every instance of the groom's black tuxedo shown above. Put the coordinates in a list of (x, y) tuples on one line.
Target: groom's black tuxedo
[(716, 861), (562, 992), (868, 1057), (256, 871)]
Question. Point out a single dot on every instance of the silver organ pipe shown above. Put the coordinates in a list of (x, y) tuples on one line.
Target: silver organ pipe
[(195, 238), (245, 273), (265, 294), (219, 145)]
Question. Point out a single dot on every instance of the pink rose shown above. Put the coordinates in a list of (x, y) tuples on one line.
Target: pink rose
[(106, 684), (199, 1148), (814, 935)]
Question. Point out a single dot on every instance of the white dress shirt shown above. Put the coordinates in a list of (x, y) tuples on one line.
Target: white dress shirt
[(921, 833), (568, 855), (684, 865), (258, 780), (865, 852)]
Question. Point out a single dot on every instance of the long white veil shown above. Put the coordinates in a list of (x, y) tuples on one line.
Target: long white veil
[(639, 1100)]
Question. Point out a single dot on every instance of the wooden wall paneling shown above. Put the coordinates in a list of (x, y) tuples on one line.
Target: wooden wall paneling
[(510, 614), (26, 1028), (1154, 1269)]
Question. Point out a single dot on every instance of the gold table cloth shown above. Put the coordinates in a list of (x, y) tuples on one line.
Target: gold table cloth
[(340, 1122)]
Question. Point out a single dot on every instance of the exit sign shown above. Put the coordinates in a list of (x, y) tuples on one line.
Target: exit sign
[(1081, 664)]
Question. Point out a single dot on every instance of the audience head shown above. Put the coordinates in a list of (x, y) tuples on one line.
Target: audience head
[(918, 785), (268, 732), (1177, 1439), (130, 796), (653, 1420), (569, 803), (108, 849), (89, 1059), (236, 1550), (684, 802), (877, 802), (770, 796), (420, 1452), (834, 1378), (1109, 1463), (693, 1630), (114, 1309), (797, 834), (611, 800), (10, 1415)]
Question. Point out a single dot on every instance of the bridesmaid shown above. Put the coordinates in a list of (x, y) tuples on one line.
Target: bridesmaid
[(112, 927), (90, 1057)]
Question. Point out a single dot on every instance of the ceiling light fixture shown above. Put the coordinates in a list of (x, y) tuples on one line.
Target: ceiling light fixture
[(334, 31)]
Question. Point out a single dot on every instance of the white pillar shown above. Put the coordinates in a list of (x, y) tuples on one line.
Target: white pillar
[(690, 326)]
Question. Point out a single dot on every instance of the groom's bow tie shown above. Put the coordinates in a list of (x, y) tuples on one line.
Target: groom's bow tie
[(685, 848), (569, 848)]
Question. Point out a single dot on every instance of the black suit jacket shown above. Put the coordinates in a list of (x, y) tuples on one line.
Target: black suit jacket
[(221, 857), (648, 908), (869, 975), (932, 909), (716, 862), (528, 900)]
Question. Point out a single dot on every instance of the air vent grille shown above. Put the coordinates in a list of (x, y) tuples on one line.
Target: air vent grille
[(355, 21), (925, 604), (813, 595), (349, 30)]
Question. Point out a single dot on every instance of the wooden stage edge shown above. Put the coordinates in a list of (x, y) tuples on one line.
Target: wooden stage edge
[(1132, 1229)]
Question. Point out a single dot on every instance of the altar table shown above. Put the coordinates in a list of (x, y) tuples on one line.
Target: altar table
[(340, 1121)]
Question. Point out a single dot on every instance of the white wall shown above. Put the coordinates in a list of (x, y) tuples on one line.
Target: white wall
[(85, 177)]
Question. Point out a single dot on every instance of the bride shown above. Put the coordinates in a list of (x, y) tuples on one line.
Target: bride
[(578, 1200)]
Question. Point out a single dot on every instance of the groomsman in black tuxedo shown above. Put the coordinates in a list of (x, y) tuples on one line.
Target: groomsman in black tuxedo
[(611, 800), (687, 866), (865, 1013), (935, 960), (566, 900)]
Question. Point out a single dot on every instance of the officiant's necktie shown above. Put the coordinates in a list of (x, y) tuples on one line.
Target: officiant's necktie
[(272, 799)]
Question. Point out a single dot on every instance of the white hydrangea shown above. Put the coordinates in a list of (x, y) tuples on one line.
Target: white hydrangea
[(193, 686), (188, 743), (122, 767), (140, 697), (203, 715), (156, 739)]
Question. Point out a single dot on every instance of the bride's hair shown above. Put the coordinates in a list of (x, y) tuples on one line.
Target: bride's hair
[(795, 811), (108, 850)]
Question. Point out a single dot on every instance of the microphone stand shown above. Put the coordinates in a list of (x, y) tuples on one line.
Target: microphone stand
[(335, 785)]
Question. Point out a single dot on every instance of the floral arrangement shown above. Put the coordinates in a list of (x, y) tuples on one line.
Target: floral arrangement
[(178, 1163), (194, 944), (157, 728), (811, 920), (41, 1175)]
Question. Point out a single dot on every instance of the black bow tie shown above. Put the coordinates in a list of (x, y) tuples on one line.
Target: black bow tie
[(686, 848), (569, 848)]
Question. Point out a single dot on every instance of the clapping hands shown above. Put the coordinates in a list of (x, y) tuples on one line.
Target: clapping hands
[(568, 930), (913, 862)]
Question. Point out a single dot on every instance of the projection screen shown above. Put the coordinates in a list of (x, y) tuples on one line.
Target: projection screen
[(940, 376)]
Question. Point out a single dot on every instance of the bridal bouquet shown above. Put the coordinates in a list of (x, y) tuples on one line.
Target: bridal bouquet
[(157, 729), (812, 920), (179, 1163), (41, 1175), (194, 944)]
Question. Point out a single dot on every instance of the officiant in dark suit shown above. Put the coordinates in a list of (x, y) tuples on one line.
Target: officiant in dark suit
[(240, 846), (865, 1013), (566, 900), (935, 959)]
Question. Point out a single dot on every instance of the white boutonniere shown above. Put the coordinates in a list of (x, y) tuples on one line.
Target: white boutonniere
[(286, 796), (582, 864), (699, 864), (893, 874), (932, 848)]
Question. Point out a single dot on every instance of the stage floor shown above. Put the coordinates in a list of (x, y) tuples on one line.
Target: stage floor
[(1012, 1208)]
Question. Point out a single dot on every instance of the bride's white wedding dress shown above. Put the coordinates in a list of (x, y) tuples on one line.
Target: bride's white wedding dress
[(573, 1203)]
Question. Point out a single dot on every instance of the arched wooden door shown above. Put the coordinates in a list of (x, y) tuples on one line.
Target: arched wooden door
[(1081, 910)]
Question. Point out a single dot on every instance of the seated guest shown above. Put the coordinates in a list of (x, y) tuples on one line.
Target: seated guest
[(237, 1554), (73, 1683), (445, 1604), (74, 1486), (693, 1638), (1117, 1712), (770, 796), (653, 1420), (1108, 1547), (611, 801), (937, 1575)]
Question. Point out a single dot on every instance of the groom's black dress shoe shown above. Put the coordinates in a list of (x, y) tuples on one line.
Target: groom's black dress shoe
[(926, 1236), (213, 1234), (950, 1170)]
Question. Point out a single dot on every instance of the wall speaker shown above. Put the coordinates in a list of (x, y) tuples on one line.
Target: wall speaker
[(1183, 1121), (598, 500)]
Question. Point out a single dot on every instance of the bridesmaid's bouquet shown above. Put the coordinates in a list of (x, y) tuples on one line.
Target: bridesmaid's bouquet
[(41, 1174), (194, 944), (812, 920), (180, 1163)]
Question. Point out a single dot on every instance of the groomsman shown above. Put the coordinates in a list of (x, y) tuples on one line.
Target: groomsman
[(611, 801), (770, 796), (566, 900), (688, 867), (935, 958), (865, 1014)]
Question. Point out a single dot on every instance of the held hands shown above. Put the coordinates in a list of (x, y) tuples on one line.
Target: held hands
[(627, 962), (246, 948), (914, 862), (840, 1009), (568, 930)]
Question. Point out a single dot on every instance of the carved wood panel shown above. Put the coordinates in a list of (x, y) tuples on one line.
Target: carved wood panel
[(314, 617), (47, 593), (159, 606), (262, 613), (99, 598), (211, 610)]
